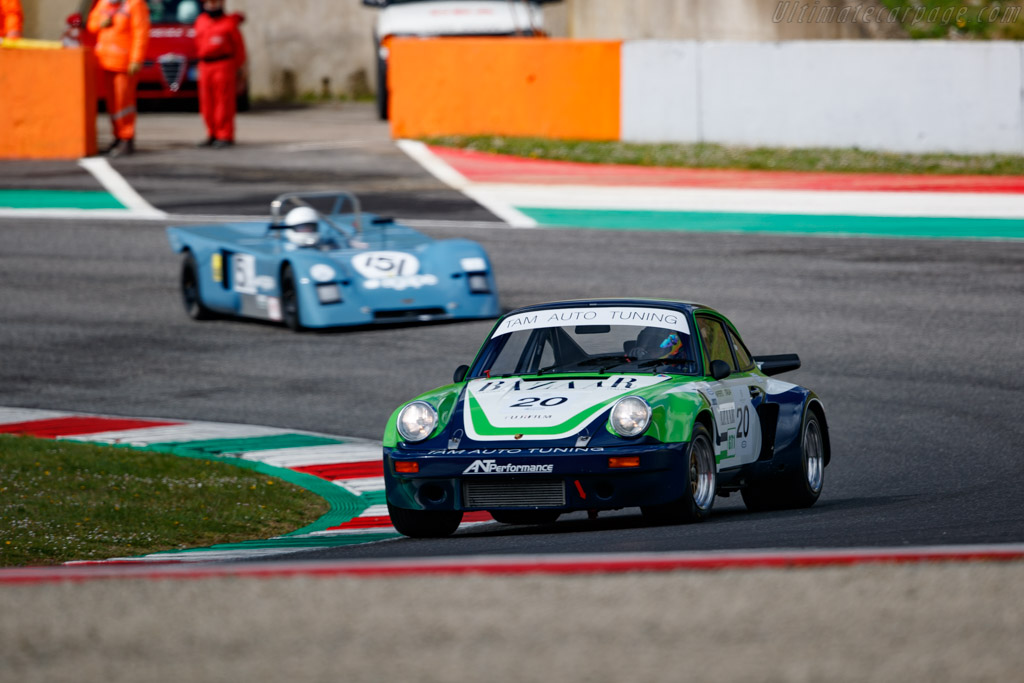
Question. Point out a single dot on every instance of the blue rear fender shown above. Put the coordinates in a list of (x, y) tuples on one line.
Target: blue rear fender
[(211, 294), (793, 407)]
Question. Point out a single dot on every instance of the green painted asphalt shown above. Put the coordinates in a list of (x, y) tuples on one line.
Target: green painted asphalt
[(58, 199), (696, 221), (344, 505)]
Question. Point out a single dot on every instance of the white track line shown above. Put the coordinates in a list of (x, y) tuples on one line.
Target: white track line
[(438, 223), (188, 431), (434, 165), (116, 185), (79, 214), (15, 415)]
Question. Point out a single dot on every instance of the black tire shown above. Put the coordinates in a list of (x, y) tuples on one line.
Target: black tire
[(525, 516), (799, 484), (698, 499), (190, 296), (290, 300), (425, 523), (382, 89)]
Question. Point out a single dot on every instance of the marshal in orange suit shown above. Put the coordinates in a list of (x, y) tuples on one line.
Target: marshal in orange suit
[(122, 31), (11, 18)]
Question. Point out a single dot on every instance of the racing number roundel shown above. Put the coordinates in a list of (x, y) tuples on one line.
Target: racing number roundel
[(377, 265)]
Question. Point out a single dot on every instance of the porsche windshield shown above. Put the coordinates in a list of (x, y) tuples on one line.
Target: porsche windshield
[(590, 340)]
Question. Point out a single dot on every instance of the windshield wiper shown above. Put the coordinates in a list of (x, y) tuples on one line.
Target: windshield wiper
[(654, 362), (614, 359), (601, 360)]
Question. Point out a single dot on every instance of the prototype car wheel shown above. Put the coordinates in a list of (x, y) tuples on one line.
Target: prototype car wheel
[(525, 516), (194, 307), (290, 300), (696, 502), (800, 483), (425, 523)]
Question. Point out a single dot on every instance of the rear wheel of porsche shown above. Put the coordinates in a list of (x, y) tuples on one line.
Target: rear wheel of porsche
[(194, 307), (425, 523), (800, 483), (290, 300), (696, 502), (525, 516)]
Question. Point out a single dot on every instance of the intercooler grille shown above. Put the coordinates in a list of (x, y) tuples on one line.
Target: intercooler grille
[(513, 494)]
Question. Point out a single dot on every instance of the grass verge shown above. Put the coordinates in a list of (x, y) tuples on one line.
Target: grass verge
[(62, 501), (748, 158)]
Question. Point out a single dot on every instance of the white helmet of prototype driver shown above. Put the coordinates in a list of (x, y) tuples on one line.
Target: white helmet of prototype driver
[(302, 226)]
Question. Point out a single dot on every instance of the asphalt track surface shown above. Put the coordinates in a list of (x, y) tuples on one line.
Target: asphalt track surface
[(914, 345)]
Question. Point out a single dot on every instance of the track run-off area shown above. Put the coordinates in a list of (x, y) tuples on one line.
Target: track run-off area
[(912, 343)]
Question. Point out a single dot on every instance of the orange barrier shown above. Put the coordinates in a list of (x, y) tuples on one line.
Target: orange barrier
[(527, 87), (49, 104)]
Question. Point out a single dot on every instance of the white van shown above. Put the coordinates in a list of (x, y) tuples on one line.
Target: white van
[(427, 18)]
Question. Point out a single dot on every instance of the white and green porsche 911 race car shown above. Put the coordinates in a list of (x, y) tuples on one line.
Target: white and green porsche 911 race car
[(600, 405)]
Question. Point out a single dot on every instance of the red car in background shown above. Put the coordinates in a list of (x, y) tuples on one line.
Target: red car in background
[(170, 71)]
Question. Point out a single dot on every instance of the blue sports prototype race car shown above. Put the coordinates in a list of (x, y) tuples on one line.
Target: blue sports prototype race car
[(600, 405), (315, 266)]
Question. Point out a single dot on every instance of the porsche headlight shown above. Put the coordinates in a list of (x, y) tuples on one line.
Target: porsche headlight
[(630, 416), (416, 421)]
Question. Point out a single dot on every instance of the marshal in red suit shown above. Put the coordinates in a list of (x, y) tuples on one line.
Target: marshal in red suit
[(221, 52)]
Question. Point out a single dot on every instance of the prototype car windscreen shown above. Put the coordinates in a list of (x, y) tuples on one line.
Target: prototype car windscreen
[(589, 340), (174, 11)]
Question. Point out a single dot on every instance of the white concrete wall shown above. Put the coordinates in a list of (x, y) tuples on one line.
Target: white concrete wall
[(697, 19), (885, 95), (294, 45), (659, 91)]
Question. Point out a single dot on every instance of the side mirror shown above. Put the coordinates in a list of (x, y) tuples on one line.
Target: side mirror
[(774, 365), (720, 369), (460, 373)]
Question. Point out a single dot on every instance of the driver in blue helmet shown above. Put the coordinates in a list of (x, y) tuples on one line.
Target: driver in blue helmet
[(658, 343)]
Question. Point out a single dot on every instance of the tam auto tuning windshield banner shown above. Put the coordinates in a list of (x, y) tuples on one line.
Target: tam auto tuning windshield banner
[(591, 315)]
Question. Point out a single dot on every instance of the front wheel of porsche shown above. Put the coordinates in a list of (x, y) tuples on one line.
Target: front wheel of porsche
[(696, 502), (425, 523)]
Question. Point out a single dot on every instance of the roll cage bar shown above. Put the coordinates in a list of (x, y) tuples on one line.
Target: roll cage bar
[(300, 199)]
